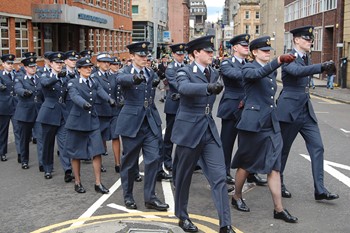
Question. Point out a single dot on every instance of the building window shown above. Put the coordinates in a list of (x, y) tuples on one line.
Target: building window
[(135, 9), (4, 36), (247, 29), (91, 2), (110, 41), (247, 14), (257, 29), (37, 39), (120, 9), (127, 2), (257, 15), (22, 41), (104, 4), (98, 2), (318, 39), (287, 42), (330, 4), (110, 5), (98, 40), (104, 40), (91, 39)]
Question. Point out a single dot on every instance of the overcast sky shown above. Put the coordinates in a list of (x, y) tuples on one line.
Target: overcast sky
[(214, 8)]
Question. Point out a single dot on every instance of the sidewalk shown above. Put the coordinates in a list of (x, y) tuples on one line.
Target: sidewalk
[(337, 94)]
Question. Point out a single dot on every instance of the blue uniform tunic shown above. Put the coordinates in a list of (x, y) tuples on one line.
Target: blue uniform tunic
[(260, 140), (84, 139)]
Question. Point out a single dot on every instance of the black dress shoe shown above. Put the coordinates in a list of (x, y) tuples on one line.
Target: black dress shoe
[(197, 168), (3, 158), (138, 178), (101, 189), (240, 205), (285, 215), (326, 196), (230, 180), (48, 175), (286, 193), (130, 205), (19, 160), (68, 176), (41, 168), (231, 189), (103, 169), (157, 205), (34, 141), (117, 168), (256, 179), (226, 229), (187, 226), (25, 166), (79, 188), (163, 176)]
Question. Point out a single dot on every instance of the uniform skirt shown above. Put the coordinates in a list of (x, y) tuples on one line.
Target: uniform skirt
[(258, 152), (114, 134), (84, 144), (105, 128)]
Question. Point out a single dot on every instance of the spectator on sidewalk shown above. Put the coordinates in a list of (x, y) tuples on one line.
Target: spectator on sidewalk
[(330, 78)]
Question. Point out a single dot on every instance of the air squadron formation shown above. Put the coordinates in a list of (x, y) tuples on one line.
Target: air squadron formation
[(83, 105)]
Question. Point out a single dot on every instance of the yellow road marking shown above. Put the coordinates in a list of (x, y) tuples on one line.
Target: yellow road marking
[(127, 216)]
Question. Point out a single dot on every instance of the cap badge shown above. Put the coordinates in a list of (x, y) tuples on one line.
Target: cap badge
[(31, 60), (268, 42), (31, 54), (181, 47), (73, 53), (212, 40), (87, 61), (10, 57), (89, 52), (310, 30), (247, 37), (59, 55), (144, 45)]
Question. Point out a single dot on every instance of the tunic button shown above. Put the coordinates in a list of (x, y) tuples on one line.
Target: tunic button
[(109, 94), (272, 97), (89, 112), (271, 79), (91, 99), (271, 106), (90, 93), (272, 88), (253, 107)]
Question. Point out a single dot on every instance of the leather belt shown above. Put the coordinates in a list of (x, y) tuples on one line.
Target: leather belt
[(296, 89)]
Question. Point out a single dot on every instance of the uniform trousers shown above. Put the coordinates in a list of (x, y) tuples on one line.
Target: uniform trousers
[(310, 131), (25, 131), (4, 132), (49, 132), (228, 136), (168, 145), (149, 143), (211, 159), (16, 133)]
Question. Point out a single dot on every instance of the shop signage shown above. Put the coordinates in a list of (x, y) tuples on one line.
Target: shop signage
[(62, 13)]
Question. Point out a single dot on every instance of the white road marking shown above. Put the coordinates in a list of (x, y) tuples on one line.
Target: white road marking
[(327, 165), (321, 112), (168, 196), (89, 212), (122, 208), (345, 131)]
